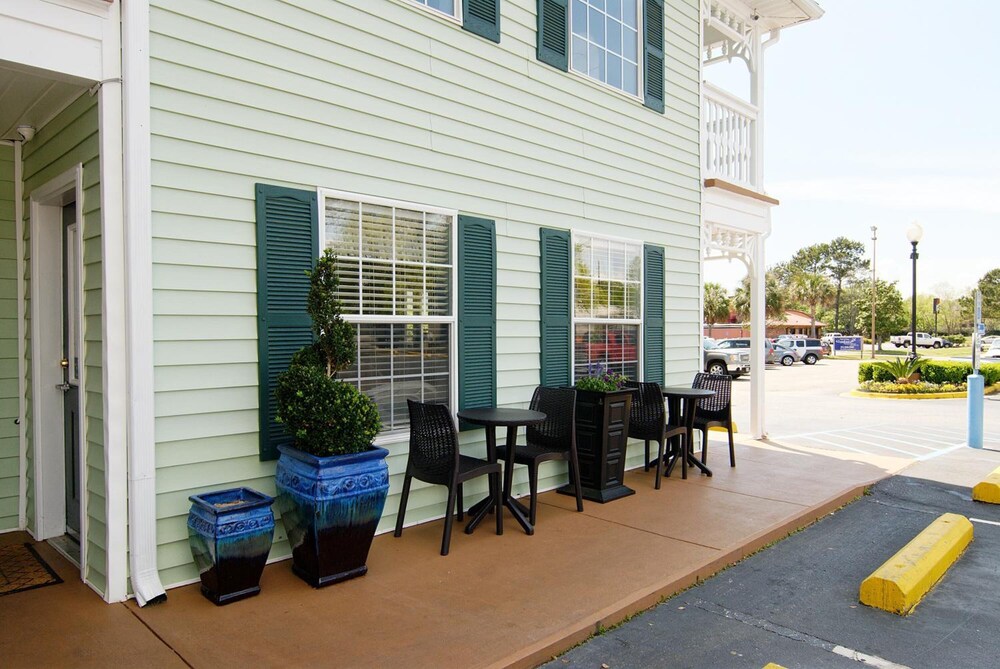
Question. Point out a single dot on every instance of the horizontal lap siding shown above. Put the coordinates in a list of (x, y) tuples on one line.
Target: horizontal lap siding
[(69, 139), (380, 97), (10, 450)]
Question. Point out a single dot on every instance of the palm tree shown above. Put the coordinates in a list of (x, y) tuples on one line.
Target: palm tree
[(774, 298), (812, 289), (717, 303)]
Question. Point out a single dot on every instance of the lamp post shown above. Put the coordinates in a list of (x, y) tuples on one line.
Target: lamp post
[(914, 233), (874, 239)]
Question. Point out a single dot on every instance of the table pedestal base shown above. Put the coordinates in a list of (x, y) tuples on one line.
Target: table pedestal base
[(600, 495)]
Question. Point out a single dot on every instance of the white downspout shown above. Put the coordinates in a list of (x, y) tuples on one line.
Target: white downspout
[(22, 504), (138, 303)]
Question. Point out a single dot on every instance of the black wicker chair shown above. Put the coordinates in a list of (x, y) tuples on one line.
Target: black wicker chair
[(715, 411), (648, 421), (552, 439), (434, 458)]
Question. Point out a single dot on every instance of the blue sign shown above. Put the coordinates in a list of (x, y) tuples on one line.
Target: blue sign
[(847, 343)]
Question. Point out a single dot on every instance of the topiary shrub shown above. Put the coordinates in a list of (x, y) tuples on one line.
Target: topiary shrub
[(326, 416)]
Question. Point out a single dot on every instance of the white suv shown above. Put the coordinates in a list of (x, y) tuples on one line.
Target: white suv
[(809, 350)]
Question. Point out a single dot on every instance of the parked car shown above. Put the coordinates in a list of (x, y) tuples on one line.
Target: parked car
[(924, 340), (731, 361), (986, 342), (829, 337), (744, 342), (994, 350), (809, 350), (785, 356)]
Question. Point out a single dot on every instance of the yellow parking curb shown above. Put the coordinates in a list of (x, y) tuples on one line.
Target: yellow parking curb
[(988, 490), (772, 665), (908, 575), (719, 428)]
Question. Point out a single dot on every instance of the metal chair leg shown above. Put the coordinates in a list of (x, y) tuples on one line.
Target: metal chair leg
[(461, 504), (647, 455), (732, 448), (574, 471), (659, 463), (497, 500), (704, 446), (533, 487)]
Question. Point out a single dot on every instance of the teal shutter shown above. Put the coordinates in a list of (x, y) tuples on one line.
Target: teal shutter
[(482, 17), (287, 246), (653, 321), (652, 19), (556, 314), (477, 313), (553, 33)]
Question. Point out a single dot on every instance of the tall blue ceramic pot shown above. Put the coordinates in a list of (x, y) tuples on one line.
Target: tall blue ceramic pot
[(230, 534), (330, 507)]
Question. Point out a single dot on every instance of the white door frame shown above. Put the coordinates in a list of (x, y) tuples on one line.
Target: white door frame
[(47, 421)]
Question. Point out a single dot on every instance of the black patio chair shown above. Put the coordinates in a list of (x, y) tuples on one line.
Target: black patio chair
[(552, 439), (715, 411), (648, 421), (434, 458)]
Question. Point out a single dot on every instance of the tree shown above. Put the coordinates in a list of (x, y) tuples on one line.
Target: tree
[(813, 259), (989, 286), (891, 316), (845, 261), (813, 290), (774, 298), (717, 303)]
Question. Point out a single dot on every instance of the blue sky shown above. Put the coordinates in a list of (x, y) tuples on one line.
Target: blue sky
[(880, 113)]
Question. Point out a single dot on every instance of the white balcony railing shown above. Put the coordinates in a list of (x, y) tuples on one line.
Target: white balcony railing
[(731, 151)]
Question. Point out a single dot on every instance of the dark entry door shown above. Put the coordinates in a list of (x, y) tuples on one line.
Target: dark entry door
[(71, 366)]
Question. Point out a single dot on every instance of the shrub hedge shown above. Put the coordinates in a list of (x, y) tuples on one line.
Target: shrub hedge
[(921, 388), (934, 371)]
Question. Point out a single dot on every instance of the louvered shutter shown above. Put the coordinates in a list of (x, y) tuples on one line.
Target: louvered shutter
[(553, 33), (556, 314), (653, 320), (652, 19), (287, 246), (477, 313), (482, 17)]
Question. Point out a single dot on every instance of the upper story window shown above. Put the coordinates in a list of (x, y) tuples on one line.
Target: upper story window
[(606, 41), (449, 7), (607, 304), (395, 264)]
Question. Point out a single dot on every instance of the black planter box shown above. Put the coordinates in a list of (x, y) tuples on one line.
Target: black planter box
[(601, 443)]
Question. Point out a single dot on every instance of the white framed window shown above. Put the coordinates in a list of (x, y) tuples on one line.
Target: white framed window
[(452, 8), (607, 305), (396, 264), (606, 42)]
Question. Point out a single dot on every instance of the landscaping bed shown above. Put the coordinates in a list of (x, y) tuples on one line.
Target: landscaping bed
[(932, 379)]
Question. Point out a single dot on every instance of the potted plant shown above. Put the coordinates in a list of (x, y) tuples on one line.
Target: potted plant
[(332, 485), (602, 413), (230, 534)]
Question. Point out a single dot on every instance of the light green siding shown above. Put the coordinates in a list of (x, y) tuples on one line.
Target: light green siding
[(385, 98), (69, 139), (10, 447)]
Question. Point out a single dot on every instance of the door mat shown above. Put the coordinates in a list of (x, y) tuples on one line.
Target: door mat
[(22, 568)]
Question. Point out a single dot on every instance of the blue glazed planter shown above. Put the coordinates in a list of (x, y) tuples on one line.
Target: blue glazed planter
[(330, 507), (230, 534)]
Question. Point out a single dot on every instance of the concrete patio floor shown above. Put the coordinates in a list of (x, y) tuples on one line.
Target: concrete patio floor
[(495, 601)]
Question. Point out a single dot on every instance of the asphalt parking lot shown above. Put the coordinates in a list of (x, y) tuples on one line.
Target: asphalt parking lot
[(796, 603), (807, 406)]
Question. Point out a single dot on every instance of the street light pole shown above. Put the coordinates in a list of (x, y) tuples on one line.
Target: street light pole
[(914, 233), (874, 239)]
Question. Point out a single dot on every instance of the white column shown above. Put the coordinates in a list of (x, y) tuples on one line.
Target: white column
[(758, 332)]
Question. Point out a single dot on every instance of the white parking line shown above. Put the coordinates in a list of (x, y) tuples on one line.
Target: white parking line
[(857, 450), (881, 445)]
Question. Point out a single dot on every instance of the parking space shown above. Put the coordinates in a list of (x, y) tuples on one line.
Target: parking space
[(809, 407), (796, 604)]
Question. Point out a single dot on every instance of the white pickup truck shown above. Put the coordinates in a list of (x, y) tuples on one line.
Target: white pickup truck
[(924, 340)]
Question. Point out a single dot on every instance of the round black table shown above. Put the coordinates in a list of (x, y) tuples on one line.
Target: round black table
[(682, 404), (491, 419)]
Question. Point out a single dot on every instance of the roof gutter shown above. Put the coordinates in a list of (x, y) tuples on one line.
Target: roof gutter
[(137, 186)]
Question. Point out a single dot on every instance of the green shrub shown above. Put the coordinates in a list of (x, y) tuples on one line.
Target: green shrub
[(900, 369), (325, 416), (934, 371), (956, 339)]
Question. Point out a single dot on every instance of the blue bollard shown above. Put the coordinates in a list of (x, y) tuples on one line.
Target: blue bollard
[(975, 385)]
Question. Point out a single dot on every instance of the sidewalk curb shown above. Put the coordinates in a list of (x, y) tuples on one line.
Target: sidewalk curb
[(636, 602)]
